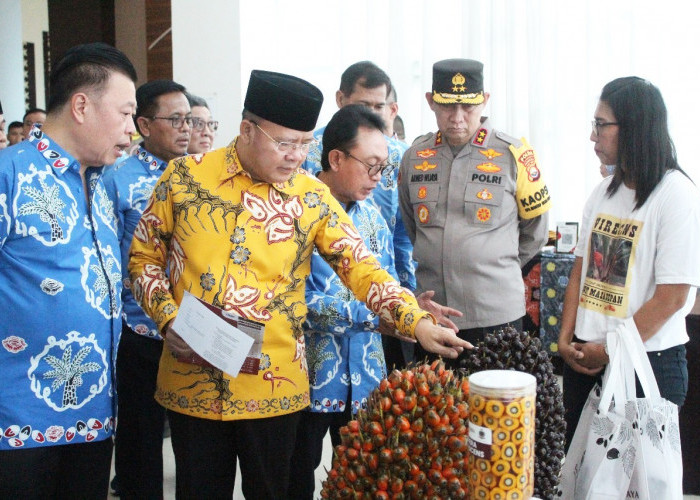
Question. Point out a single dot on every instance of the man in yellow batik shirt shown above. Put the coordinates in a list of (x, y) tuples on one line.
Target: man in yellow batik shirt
[(236, 228)]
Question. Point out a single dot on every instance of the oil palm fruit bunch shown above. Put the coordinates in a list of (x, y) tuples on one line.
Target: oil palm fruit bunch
[(509, 349), (410, 441)]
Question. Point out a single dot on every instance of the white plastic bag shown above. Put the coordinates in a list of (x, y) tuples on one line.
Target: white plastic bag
[(624, 446)]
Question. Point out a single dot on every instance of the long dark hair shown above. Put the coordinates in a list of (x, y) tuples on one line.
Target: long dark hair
[(645, 150)]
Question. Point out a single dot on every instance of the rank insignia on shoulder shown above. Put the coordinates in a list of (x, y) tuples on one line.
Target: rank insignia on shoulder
[(423, 214), (438, 138), (491, 153), (483, 214), (480, 136), (484, 194), (426, 153), (425, 166), (488, 167)]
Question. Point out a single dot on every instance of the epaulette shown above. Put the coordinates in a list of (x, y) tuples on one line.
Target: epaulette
[(422, 138), (508, 138)]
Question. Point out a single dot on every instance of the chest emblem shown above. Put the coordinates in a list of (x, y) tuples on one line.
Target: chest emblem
[(488, 167), (425, 166), (491, 153), (423, 214), (422, 192), (426, 153), (484, 194), (483, 214)]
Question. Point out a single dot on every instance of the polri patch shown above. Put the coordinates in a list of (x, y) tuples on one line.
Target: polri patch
[(422, 192)]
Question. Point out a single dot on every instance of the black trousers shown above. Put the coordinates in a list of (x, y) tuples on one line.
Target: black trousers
[(690, 434), (69, 471), (308, 449), (138, 453), (472, 335), (206, 452)]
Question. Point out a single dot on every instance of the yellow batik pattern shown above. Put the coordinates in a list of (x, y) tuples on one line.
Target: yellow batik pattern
[(245, 247)]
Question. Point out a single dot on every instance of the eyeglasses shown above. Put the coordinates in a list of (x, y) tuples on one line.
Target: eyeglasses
[(372, 170), (176, 121), (287, 147), (598, 125), (199, 124)]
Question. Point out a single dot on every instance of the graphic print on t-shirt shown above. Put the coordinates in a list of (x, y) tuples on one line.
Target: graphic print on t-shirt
[(610, 257)]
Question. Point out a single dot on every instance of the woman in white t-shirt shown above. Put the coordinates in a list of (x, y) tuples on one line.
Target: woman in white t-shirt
[(638, 258)]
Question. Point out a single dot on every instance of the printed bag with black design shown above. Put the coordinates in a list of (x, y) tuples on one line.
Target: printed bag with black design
[(625, 446)]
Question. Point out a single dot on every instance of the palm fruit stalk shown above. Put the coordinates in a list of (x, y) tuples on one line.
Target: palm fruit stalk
[(509, 349), (410, 441)]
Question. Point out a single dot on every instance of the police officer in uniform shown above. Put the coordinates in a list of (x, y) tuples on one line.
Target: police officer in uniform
[(474, 205)]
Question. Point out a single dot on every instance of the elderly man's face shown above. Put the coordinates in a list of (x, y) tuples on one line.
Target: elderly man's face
[(457, 122), (275, 151)]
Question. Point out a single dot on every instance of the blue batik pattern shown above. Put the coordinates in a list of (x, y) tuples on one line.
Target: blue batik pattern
[(130, 184), (60, 298), (343, 351)]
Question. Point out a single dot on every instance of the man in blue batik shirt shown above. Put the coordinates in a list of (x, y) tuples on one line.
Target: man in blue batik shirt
[(343, 338), (164, 121), (60, 283), (366, 84)]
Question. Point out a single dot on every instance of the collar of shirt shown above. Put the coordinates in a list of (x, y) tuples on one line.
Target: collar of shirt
[(150, 162), (233, 168), (54, 154)]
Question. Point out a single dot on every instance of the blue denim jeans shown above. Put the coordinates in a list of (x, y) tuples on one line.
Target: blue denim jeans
[(670, 369)]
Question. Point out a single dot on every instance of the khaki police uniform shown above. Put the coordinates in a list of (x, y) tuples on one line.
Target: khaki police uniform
[(475, 218)]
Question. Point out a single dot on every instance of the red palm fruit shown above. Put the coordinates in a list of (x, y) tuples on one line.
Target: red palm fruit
[(354, 426), (400, 453), (381, 495), (417, 425), (432, 418), (423, 401), (389, 422), (385, 456), (383, 385), (398, 395), (397, 485), (409, 402), (383, 482), (410, 487), (386, 403), (379, 440), (406, 436), (422, 388)]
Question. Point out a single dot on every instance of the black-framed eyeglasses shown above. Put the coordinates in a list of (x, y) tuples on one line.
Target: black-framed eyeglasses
[(599, 125), (287, 147), (372, 170), (199, 124), (175, 121)]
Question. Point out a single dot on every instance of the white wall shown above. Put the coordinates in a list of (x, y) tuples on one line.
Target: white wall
[(11, 62), (207, 58)]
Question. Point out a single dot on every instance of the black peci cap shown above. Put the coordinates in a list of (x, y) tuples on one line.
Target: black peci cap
[(458, 81), (283, 99)]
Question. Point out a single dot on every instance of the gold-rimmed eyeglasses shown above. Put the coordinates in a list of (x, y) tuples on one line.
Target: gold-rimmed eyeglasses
[(287, 147)]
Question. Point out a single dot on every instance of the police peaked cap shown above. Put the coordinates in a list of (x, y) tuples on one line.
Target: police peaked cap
[(283, 99), (458, 81)]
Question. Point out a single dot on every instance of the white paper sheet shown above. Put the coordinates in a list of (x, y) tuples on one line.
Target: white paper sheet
[(220, 343)]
